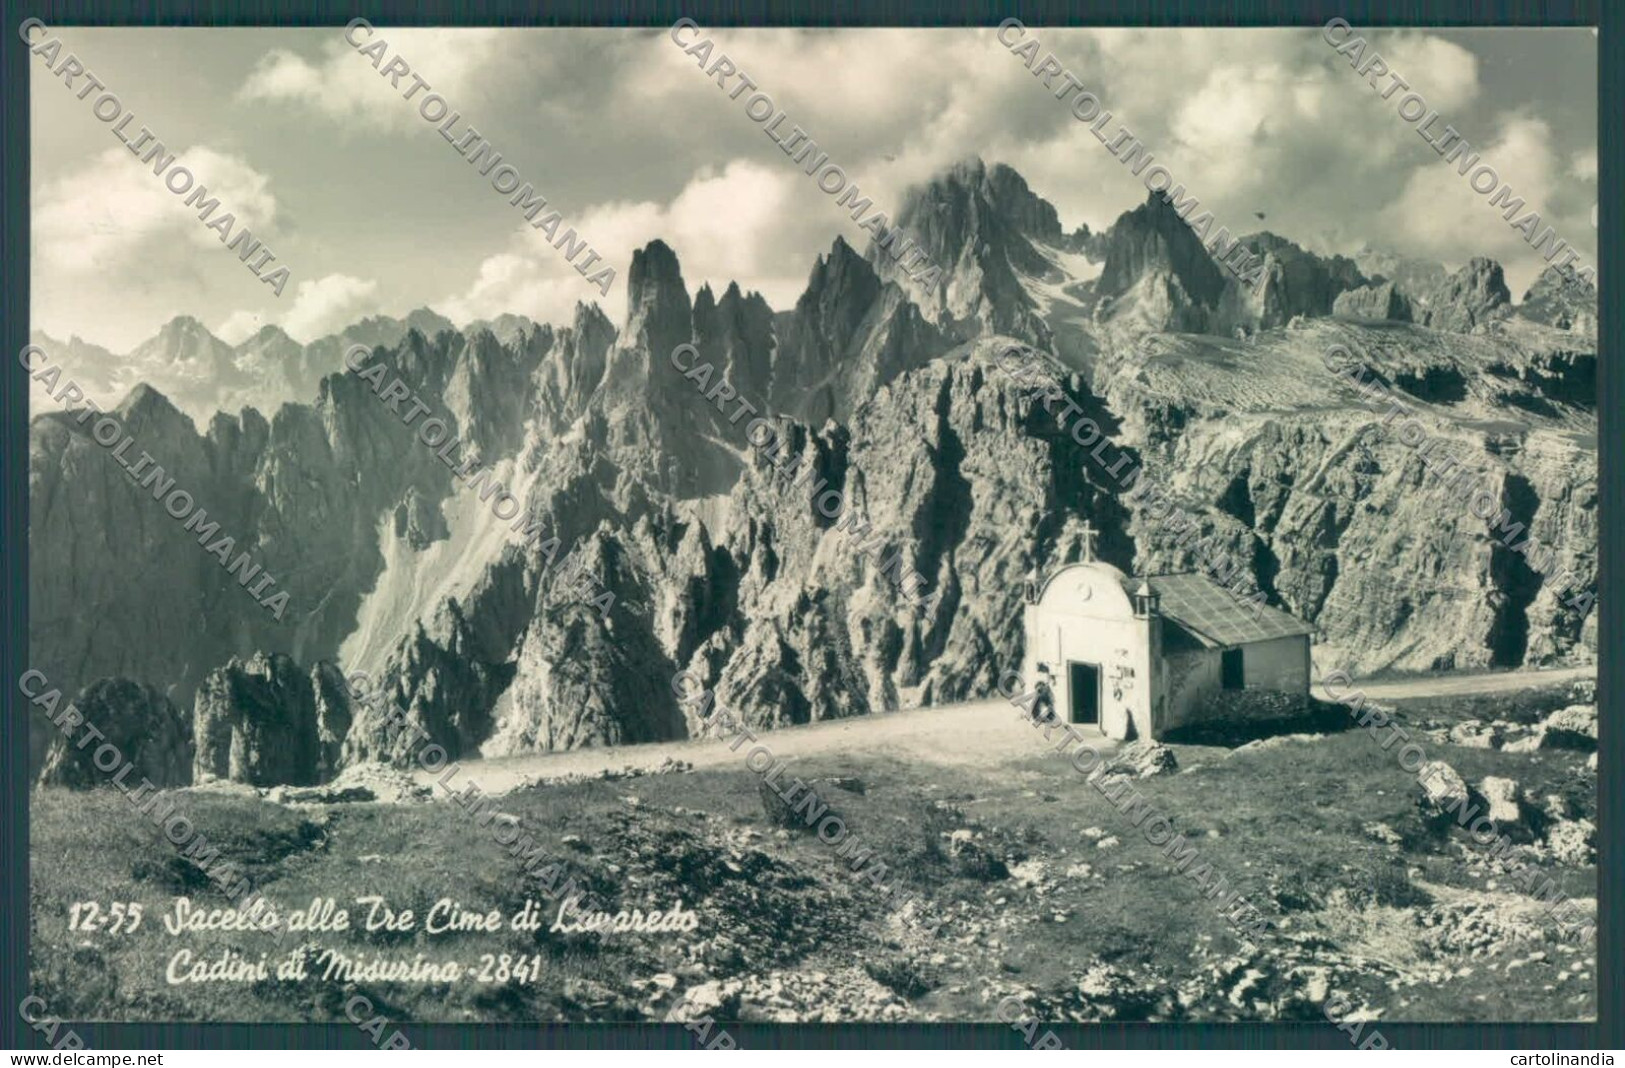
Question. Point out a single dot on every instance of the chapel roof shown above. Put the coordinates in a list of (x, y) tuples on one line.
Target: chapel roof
[(1218, 617)]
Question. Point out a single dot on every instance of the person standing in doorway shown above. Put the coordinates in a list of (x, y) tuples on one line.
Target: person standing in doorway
[(1044, 706)]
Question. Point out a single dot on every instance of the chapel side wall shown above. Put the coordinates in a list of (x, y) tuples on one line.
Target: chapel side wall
[(1278, 664), (1189, 678)]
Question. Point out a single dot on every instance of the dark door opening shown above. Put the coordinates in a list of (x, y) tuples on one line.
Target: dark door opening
[(1231, 675), (1083, 689)]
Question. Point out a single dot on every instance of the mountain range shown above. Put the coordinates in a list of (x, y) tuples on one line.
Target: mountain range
[(891, 394)]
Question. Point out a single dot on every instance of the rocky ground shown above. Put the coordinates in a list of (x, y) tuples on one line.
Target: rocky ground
[(1041, 887)]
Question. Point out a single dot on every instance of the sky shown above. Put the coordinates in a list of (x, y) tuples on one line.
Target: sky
[(374, 213)]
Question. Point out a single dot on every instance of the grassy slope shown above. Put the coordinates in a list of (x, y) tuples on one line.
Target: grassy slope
[(782, 915)]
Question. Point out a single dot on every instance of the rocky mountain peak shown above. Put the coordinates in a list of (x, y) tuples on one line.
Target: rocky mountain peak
[(1153, 245), (1557, 299), (1469, 298), (182, 338), (705, 302), (841, 287), (737, 334), (590, 319), (512, 330), (971, 194), (428, 322), (146, 407), (269, 335), (182, 326), (979, 226), (658, 313), (1008, 192), (1415, 278), (1296, 281)]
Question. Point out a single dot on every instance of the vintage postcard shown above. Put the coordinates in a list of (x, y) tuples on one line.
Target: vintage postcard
[(722, 525)]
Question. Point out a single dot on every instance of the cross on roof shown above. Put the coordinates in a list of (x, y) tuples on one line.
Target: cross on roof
[(1089, 535)]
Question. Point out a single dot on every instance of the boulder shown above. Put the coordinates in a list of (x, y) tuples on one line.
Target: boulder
[(1473, 734), (971, 859), (1573, 842), (1443, 791), (1574, 727), (1505, 802), (779, 812), (1554, 809), (1509, 735), (792, 814), (1143, 760)]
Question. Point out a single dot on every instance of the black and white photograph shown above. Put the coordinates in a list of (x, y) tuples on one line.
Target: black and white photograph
[(726, 526)]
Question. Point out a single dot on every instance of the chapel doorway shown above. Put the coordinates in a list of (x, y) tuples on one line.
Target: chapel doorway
[(1083, 691)]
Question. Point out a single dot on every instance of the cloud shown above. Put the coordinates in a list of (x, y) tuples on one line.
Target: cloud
[(320, 307), (239, 326), (343, 85), (1267, 121), (114, 212), (1253, 119), (1440, 215), (115, 254), (632, 140), (328, 305), (1270, 121), (747, 222)]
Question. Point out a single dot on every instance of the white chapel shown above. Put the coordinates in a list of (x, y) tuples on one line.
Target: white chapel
[(1137, 657)]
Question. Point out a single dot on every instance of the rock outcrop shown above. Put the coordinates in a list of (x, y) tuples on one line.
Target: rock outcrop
[(257, 721), (1156, 264), (1472, 297), (1559, 300), (1296, 282), (1381, 300), (146, 728)]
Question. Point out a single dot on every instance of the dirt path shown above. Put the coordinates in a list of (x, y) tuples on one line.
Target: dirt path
[(981, 733), (1448, 685)]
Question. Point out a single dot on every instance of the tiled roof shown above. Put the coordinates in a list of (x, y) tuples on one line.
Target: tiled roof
[(1217, 616)]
